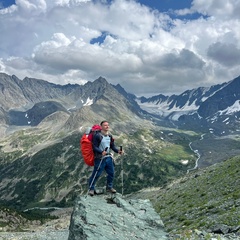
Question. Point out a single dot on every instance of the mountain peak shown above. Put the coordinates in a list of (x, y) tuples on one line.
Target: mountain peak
[(101, 80)]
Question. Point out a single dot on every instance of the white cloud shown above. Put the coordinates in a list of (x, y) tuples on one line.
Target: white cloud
[(227, 9), (145, 51)]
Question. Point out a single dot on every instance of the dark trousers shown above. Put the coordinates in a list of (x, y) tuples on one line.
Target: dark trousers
[(108, 166)]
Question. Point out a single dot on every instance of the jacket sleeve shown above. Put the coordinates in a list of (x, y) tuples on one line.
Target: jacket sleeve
[(96, 141), (112, 145)]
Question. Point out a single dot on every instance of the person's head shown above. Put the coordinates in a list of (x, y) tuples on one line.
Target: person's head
[(105, 126)]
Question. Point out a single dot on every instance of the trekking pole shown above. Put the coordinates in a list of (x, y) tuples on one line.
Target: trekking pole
[(121, 170), (96, 173)]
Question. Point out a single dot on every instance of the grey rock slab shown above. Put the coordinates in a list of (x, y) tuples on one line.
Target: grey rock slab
[(103, 217)]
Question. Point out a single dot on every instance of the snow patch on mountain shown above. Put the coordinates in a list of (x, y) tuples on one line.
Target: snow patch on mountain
[(163, 109), (88, 102), (231, 109)]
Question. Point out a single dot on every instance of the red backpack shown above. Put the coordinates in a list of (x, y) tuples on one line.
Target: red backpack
[(86, 145)]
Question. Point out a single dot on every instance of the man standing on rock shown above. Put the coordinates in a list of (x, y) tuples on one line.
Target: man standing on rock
[(102, 143)]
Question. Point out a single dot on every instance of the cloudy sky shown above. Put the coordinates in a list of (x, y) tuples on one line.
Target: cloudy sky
[(147, 46)]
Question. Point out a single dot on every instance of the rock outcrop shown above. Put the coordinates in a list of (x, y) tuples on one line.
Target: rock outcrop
[(104, 217)]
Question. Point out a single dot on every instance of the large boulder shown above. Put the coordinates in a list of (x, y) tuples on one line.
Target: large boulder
[(105, 217)]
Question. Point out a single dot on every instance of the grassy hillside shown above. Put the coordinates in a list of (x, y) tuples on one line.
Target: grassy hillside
[(202, 199)]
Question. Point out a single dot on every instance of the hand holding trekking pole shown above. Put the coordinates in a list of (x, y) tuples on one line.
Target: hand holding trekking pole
[(105, 151), (120, 150)]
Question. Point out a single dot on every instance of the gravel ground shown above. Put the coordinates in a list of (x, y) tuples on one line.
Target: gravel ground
[(43, 235), (56, 229)]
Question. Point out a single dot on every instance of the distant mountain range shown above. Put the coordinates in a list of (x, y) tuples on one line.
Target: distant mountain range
[(215, 109), (27, 102)]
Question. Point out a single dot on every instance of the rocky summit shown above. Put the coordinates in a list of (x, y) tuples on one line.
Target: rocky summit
[(104, 217)]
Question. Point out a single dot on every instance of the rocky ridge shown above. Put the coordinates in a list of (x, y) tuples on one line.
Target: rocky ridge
[(111, 217)]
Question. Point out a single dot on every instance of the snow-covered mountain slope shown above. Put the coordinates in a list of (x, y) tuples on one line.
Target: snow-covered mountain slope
[(214, 107)]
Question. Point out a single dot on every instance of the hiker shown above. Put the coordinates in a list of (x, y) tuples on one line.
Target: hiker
[(102, 143)]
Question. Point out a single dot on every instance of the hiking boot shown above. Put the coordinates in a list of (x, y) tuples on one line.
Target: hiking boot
[(91, 193), (111, 190)]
